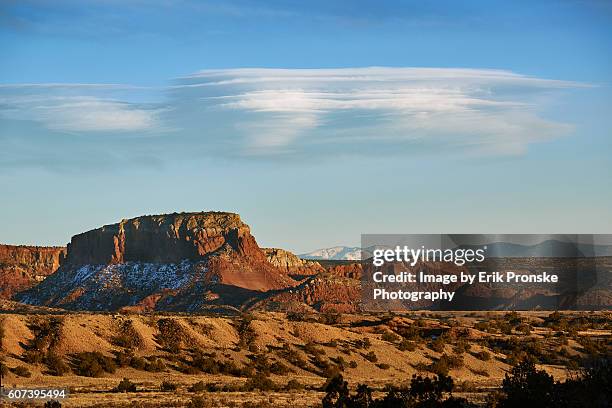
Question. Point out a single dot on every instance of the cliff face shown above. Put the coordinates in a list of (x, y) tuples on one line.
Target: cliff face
[(21, 267), (290, 263), (163, 238), (182, 262)]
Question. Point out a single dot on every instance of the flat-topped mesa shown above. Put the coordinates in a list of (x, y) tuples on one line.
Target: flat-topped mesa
[(163, 238), (21, 267), (43, 260)]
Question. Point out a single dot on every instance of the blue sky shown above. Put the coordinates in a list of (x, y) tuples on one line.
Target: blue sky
[(316, 121)]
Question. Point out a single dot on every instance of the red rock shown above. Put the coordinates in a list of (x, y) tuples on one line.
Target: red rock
[(22, 267)]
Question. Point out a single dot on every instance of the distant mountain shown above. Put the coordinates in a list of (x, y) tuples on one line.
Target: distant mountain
[(545, 249), (336, 254)]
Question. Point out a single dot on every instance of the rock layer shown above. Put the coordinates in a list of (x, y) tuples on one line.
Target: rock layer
[(179, 262), (22, 267), (290, 263)]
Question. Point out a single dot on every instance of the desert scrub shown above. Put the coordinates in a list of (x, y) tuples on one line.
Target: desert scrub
[(292, 356), (482, 373), (390, 337), (260, 382), (294, 384), (482, 355), (46, 335), (128, 337), (445, 363), (93, 364), (199, 402), (407, 345), (21, 371), (56, 365), (437, 345), (211, 364), (371, 357), (246, 333), (200, 386), (167, 386), (170, 335), (125, 386)]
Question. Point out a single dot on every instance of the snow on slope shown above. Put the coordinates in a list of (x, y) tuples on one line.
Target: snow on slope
[(335, 253)]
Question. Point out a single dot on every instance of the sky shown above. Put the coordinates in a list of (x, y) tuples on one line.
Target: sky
[(316, 121)]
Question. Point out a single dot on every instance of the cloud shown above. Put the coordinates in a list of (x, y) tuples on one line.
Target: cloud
[(288, 114), (76, 107), (285, 111)]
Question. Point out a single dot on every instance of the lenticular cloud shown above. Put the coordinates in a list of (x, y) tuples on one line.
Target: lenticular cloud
[(292, 111)]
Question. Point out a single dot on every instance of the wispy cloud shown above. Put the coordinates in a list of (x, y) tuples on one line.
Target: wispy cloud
[(276, 111), (77, 107), (298, 113)]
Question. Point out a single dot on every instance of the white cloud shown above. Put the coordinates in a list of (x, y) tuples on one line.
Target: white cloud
[(78, 113), (285, 110), (291, 112)]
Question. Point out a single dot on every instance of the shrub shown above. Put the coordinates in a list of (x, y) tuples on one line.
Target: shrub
[(483, 355), (331, 318), (482, 326), (482, 373), (293, 356), (390, 337), (407, 345), (437, 345), (155, 366), (526, 386), (259, 382), (166, 386), (197, 387), (246, 332), (445, 363), (352, 364), (371, 356), (170, 335), (311, 348), (383, 366), (125, 386), (21, 371), (93, 364), (423, 392), (279, 368), (294, 384), (128, 338), (4, 370), (198, 402), (56, 365)]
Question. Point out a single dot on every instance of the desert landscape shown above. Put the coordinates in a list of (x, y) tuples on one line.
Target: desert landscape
[(187, 310)]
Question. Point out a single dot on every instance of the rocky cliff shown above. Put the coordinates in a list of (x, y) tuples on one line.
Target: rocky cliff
[(185, 262), (290, 263), (22, 267)]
